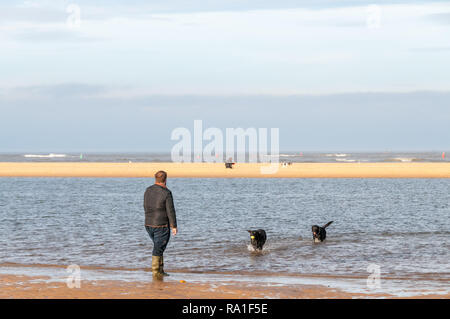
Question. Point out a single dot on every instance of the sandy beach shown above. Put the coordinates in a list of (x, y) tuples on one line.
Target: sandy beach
[(47, 287), (217, 170), (12, 286)]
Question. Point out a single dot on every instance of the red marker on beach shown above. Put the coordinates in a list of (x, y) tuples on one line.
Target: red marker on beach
[(443, 155)]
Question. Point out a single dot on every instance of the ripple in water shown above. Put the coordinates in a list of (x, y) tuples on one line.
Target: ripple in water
[(400, 224)]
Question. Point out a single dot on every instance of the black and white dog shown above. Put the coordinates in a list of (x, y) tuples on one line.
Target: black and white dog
[(319, 233), (257, 238)]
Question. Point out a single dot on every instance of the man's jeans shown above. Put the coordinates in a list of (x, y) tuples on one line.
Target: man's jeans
[(160, 237)]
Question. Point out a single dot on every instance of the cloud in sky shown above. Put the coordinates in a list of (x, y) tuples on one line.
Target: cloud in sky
[(430, 49), (51, 7), (136, 68), (60, 36), (440, 18), (81, 118), (282, 51)]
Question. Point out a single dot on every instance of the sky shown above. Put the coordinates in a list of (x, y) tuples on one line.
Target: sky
[(122, 75)]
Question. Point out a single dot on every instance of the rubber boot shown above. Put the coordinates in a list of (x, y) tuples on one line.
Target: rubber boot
[(161, 267), (156, 268)]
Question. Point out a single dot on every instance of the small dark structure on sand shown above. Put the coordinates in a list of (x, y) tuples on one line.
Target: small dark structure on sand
[(229, 163)]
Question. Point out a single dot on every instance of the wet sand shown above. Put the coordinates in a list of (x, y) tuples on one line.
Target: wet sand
[(50, 281), (217, 170), (17, 286), (12, 286)]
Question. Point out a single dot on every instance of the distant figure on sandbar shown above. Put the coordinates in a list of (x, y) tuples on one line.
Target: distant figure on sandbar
[(229, 163), (160, 219)]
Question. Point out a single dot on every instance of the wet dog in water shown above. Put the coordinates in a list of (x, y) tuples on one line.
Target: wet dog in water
[(257, 238), (319, 233)]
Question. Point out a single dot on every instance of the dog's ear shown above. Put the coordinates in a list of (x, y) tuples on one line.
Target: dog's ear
[(249, 231)]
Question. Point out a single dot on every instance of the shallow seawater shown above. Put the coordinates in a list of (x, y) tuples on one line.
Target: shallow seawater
[(400, 225), (295, 157)]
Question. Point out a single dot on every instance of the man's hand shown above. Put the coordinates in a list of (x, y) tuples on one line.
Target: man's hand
[(174, 231)]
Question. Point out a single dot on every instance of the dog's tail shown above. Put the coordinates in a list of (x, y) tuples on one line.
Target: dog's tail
[(327, 224)]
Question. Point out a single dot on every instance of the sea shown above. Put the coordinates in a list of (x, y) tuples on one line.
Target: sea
[(398, 229), (294, 157)]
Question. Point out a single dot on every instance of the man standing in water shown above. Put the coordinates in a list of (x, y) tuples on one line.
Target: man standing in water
[(160, 219)]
